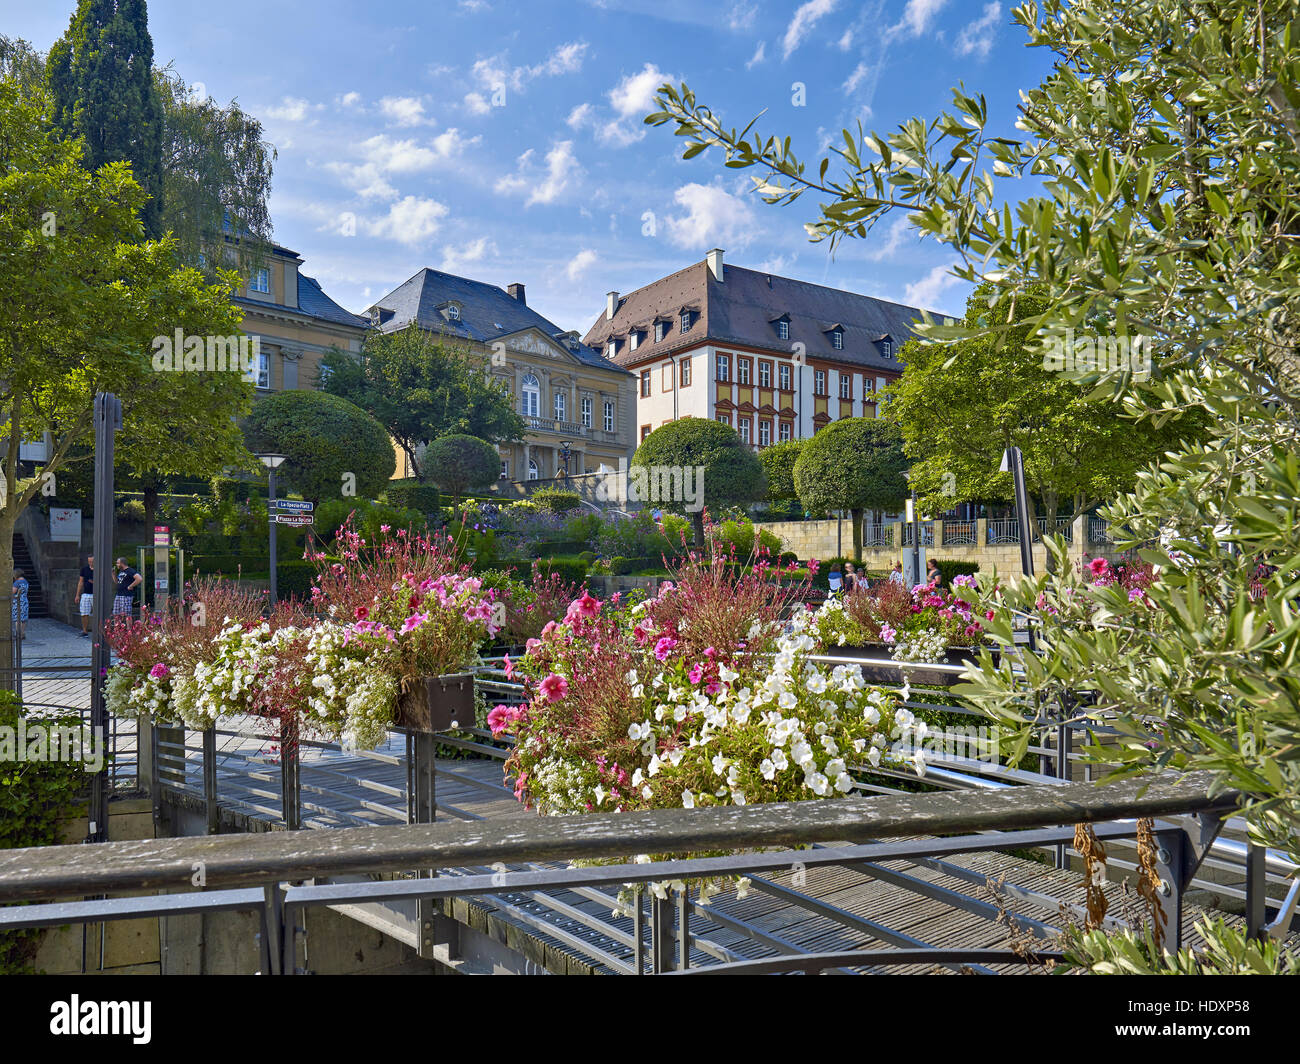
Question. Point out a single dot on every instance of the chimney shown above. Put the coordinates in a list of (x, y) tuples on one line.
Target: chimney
[(516, 291), (714, 259), (611, 305)]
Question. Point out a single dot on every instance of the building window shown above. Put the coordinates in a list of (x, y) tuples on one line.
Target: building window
[(666, 376), (846, 385), (264, 370), (866, 389), (889, 349), (819, 382), (783, 330), (531, 395), (742, 370), (533, 471), (505, 469), (586, 411), (724, 368), (765, 374), (837, 340), (453, 312), (633, 338), (261, 281), (559, 406), (725, 419), (661, 330), (609, 416), (744, 429), (611, 348), (645, 431), (686, 320), (686, 373), (764, 433), (783, 374), (784, 431), (645, 383)]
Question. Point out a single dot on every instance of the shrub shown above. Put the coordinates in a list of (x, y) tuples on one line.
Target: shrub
[(412, 494), (325, 439), (295, 578), (570, 570), (789, 557), (332, 513), (130, 510), (556, 500), (589, 557), (227, 489), (950, 567), (459, 463)]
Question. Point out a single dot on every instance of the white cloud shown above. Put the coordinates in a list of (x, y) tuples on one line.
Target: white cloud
[(760, 53), (290, 109), (350, 99), (977, 37), (893, 240), (579, 264), (383, 156), (474, 5), (583, 114), (916, 19), (713, 218), (566, 59), (805, 18), (411, 220), (741, 16), (476, 104), (404, 110), (456, 257), (776, 264), (927, 293), (494, 72), (855, 79), (632, 98), (561, 168)]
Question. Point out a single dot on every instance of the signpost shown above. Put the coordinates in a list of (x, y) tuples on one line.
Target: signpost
[(296, 520), (292, 505)]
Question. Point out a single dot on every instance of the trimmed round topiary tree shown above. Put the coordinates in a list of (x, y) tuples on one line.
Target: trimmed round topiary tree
[(332, 448), (778, 463), (664, 470), (458, 464), (856, 464)]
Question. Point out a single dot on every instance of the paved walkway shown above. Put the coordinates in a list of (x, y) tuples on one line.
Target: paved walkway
[(48, 638)]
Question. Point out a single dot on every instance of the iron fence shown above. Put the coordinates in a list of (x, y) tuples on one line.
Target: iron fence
[(927, 534), (1098, 531), (959, 533), (1003, 530), (878, 536)]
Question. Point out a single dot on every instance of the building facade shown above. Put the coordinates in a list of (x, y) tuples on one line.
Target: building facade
[(295, 322), (575, 402), (774, 358)]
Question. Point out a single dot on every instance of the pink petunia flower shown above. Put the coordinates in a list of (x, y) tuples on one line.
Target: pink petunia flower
[(664, 647), (414, 621), (887, 634), (554, 687), (696, 673), (160, 671)]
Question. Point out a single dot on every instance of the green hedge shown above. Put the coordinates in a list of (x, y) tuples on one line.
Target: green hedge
[(555, 500), (572, 570), (294, 579), (547, 548), (412, 494), (227, 489), (950, 567)]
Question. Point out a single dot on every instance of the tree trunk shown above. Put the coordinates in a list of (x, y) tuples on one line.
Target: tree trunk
[(8, 632), (697, 519), (857, 535), (150, 505)]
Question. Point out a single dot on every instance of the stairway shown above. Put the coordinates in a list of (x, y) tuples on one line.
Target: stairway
[(23, 561)]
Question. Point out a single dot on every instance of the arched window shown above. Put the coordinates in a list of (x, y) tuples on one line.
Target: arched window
[(532, 469), (532, 396)]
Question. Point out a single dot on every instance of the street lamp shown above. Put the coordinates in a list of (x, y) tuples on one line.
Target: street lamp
[(565, 454), (272, 463)]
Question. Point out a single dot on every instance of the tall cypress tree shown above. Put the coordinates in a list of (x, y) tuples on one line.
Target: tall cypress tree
[(100, 77)]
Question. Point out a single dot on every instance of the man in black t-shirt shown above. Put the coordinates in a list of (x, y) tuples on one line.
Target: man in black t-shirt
[(128, 580), (85, 597)]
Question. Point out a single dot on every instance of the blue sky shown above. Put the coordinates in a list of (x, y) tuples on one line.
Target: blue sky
[(504, 141)]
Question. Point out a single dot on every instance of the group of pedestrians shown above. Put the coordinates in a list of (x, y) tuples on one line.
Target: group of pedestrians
[(851, 578), (128, 579)]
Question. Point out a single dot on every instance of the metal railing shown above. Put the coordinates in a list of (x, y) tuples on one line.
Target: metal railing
[(1056, 526), (927, 534), (876, 536), (959, 533), (1098, 531), (1003, 530)]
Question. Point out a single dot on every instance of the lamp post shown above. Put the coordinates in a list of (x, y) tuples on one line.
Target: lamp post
[(1013, 461), (565, 454), (272, 463), (914, 521)]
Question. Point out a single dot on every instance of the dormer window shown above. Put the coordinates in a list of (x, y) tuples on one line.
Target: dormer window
[(685, 320), (633, 339), (611, 348), (783, 330), (887, 349), (453, 312), (837, 339), (260, 281), (661, 330)]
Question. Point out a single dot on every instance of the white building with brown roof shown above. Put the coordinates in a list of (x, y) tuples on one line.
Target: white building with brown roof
[(773, 357)]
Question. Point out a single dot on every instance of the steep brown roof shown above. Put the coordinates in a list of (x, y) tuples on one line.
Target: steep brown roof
[(742, 309)]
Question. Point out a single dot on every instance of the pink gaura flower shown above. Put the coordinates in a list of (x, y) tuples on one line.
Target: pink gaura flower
[(664, 647), (554, 687)]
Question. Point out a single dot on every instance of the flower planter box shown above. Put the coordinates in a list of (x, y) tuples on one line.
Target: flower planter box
[(915, 672), (437, 704)]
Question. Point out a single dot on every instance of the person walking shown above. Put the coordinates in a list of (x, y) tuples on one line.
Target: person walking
[(85, 596), (128, 580), (20, 608)]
